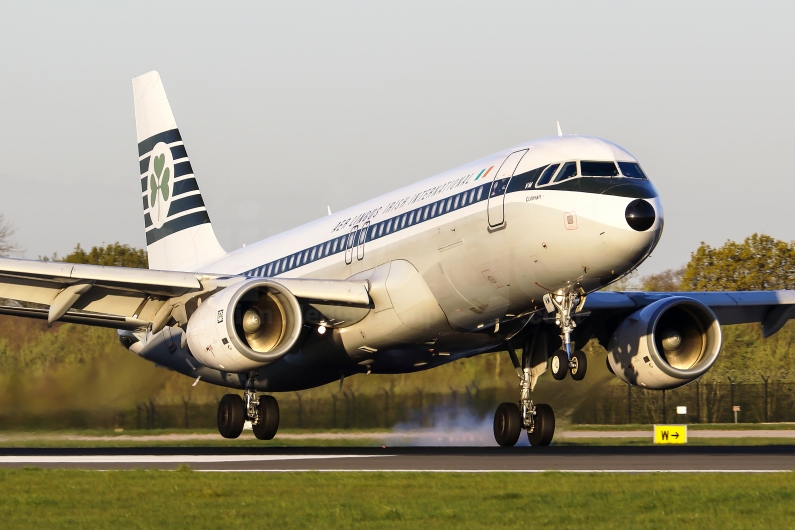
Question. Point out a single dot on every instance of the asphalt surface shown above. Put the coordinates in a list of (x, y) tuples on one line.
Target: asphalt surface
[(441, 459)]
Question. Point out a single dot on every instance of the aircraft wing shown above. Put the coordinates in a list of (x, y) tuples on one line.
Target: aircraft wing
[(770, 308), (130, 298)]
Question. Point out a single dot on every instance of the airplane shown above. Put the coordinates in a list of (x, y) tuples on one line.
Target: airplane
[(511, 251)]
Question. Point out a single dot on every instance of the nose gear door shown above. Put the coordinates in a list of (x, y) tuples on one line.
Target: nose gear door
[(496, 201)]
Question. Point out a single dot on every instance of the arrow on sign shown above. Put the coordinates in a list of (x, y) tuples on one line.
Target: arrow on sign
[(675, 435)]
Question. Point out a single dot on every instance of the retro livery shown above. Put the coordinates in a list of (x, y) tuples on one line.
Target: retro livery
[(506, 253)]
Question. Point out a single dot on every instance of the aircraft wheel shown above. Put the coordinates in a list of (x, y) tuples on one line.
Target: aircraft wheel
[(579, 365), (507, 424), (231, 416), (543, 426), (268, 418), (559, 365)]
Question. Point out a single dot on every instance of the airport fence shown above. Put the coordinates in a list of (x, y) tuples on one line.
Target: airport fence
[(705, 402)]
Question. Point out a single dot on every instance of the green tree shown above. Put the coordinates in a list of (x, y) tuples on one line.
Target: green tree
[(666, 281), (114, 254), (760, 262)]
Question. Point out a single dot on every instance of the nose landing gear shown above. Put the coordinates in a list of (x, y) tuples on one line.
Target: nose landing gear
[(262, 412), (565, 360), (509, 419)]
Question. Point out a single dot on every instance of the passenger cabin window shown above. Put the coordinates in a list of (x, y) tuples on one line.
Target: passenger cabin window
[(568, 171), (632, 170), (598, 169), (547, 175)]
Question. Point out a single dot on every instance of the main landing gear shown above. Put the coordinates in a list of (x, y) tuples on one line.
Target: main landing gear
[(262, 412), (566, 360), (510, 418)]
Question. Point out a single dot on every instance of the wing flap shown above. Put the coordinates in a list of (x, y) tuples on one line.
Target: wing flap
[(90, 319)]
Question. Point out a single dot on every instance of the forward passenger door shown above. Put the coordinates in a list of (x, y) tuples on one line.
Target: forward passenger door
[(496, 200)]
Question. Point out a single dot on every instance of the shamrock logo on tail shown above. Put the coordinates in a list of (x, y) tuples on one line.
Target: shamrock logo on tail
[(158, 182)]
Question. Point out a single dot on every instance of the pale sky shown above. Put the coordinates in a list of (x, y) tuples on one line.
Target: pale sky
[(288, 107)]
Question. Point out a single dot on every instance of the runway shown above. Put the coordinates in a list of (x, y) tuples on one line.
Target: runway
[(408, 459)]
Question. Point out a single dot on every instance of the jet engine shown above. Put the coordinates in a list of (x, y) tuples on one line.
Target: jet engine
[(245, 326), (665, 345)]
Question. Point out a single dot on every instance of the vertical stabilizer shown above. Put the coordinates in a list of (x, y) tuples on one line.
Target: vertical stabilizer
[(179, 235)]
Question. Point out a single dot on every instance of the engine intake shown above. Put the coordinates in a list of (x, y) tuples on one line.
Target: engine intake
[(665, 345), (245, 326)]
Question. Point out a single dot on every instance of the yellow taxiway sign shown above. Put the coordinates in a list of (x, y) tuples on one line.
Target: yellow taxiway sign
[(670, 434)]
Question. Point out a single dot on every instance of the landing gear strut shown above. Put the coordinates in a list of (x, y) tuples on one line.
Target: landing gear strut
[(510, 419), (565, 360), (262, 412)]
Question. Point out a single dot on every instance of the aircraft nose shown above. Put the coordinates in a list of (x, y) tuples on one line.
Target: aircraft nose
[(640, 215)]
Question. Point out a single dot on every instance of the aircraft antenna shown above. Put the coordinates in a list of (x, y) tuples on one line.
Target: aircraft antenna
[(560, 133)]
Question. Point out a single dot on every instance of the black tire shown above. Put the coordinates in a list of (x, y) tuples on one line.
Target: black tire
[(580, 365), (543, 428), (268, 418), (559, 365), (507, 424), (231, 416)]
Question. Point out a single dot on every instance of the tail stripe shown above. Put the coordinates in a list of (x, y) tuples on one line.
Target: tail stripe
[(177, 225), (167, 137), (185, 186), (144, 165), (178, 151), (182, 169), (188, 203)]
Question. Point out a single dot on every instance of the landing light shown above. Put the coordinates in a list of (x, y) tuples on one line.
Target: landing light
[(321, 329)]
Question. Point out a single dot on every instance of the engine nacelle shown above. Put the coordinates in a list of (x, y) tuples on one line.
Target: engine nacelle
[(245, 326), (666, 344)]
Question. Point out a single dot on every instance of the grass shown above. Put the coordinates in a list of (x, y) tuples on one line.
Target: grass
[(183, 499)]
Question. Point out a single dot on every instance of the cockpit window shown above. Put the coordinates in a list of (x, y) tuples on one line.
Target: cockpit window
[(568, 170), (632, 170), (547, 174), (598, 169)]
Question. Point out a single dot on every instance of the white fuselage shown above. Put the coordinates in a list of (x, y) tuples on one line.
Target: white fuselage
[(479, 255)]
